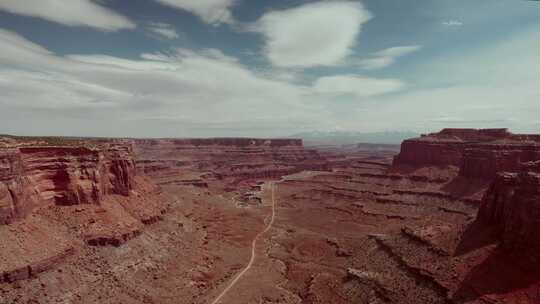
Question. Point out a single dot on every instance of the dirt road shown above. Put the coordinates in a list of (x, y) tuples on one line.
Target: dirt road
[(253, 251)]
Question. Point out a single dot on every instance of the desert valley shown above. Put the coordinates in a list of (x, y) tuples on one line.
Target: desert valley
[(269, 152), (450, 217)]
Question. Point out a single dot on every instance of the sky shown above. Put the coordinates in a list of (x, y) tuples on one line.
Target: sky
[(267, 68)]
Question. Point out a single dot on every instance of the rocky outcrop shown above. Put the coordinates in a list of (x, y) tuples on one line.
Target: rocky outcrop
[(65, 175), (121, 169), (483, 161), (39, 175), (478, 153), (473, 135), (235, 158), (50, 196), (427, 152), (512, 207), (17, 195)]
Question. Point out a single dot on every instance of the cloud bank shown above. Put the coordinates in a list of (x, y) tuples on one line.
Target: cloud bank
[(186, 87), (72, 13)]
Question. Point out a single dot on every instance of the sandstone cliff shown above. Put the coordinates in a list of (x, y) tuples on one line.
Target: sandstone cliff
[(430, 152), (238, 158), (17, 195), (53, 197), (478, 153), (70, 175), (483, 161), (512, 207)]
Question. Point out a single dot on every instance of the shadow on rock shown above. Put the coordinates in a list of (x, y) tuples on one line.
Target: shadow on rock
[(475, 235), (502, 273)]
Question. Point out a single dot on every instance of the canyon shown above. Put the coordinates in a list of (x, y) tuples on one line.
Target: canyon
[(449, 217), (53, 197)]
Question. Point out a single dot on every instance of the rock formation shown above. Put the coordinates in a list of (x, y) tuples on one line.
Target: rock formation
[(349, 229), (512, 207), (483, 161), (94, 189), (69, 175), (429, 151), (227, 158), (478, 153), (17, 196)]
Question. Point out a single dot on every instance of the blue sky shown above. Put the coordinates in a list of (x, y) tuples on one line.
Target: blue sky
[(156, 68)]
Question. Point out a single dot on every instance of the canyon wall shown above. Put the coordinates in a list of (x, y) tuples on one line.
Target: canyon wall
[(483, 161), (53, 197), (428, 152), (222, 158), (17, 195), (478, 153), (33, 176), (512, 207)]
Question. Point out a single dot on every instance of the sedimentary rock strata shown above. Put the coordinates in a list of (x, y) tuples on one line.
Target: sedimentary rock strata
[(483, 161), (17, 195), (479, 154), (230, 159), (63, 176), (52, 197)]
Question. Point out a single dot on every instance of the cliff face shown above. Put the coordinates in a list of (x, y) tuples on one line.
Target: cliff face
[(512, 207), (239, 158), (479, 154), (36, 176), (485, 160), (17, 196), (424, 152), (65, 175), (121, 169), (40, 183)]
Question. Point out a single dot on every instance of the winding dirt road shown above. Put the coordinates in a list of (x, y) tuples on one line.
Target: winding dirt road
[(253, 253)]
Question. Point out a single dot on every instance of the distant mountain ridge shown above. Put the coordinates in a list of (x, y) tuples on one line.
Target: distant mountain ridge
[(351, 137)]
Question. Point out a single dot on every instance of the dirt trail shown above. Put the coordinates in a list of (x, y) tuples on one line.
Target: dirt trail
[(253, 252)]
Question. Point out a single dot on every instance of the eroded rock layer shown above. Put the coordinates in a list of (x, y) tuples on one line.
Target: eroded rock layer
[(235, 159), (478, 153), (55, 197), (512, 207), (39, 175), (17, 196)]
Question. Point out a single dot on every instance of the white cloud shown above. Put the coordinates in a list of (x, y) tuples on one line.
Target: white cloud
[(13, 45), (208, 93), (163, 30), (71, 13), (387, 57), (190, 90), (210, 11), (356, 85), (314, 34), (186, 87), (495, 85), (54, 91)]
